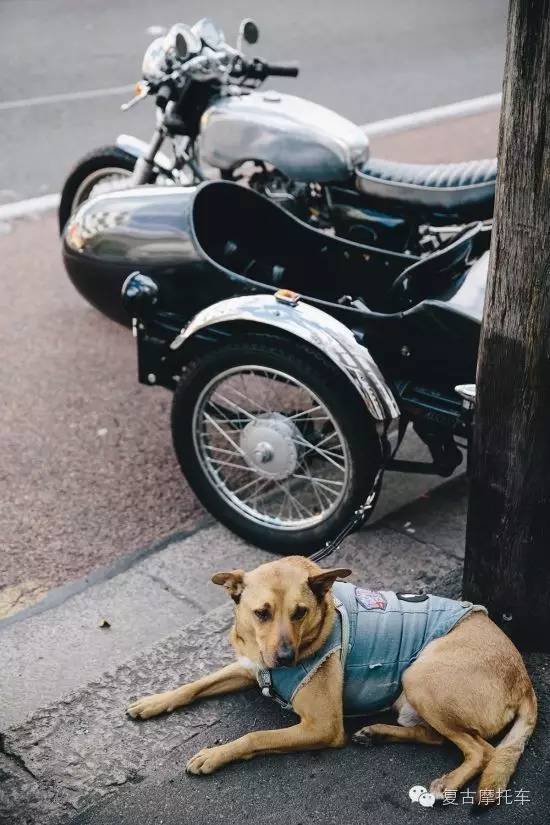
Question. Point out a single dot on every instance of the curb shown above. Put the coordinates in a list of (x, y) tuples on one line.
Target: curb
[(463, 108), (59, 595)]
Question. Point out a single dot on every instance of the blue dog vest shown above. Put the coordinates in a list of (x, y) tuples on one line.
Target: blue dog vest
[(379, 634)]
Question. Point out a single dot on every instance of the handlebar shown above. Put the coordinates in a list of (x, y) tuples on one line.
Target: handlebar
[(257, 69), (281, 70), (206, 66)]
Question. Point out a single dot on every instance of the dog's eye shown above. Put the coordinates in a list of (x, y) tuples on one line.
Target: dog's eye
[(299, 613), (262, 614)]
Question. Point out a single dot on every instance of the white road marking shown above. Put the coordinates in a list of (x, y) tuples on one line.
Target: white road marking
[(387, 126), (462, 108), (64, 97), (21, 209)]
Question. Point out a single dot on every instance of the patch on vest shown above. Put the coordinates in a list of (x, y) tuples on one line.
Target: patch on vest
[(370, 599)]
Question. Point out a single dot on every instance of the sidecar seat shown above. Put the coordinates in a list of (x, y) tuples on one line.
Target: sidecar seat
[(451, 189), (246, 263), (431, 276)]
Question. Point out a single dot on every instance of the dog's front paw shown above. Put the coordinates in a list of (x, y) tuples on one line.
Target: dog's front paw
[(149, 706), (442, 789), (364, 737), (206, 761)]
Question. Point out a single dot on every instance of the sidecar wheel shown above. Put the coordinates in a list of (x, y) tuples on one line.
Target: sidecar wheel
[(275, 442)]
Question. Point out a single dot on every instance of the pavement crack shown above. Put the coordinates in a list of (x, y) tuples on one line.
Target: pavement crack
[(424, 543), (14, 757), (177, 594)]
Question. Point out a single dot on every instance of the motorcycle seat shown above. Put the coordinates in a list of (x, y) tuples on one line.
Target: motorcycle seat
[(466, 188)]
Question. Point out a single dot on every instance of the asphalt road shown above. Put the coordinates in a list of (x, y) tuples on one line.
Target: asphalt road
[(368, 59), (87, 469)]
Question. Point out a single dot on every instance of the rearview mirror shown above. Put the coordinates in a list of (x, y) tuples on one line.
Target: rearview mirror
[(248, 31)]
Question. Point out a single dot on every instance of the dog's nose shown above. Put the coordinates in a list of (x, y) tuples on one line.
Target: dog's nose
[(285, 655)]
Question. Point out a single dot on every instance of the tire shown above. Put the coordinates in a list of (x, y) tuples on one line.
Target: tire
[(108, 157), (316, 374)]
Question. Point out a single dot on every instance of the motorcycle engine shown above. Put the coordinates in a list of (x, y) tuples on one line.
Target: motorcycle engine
[(296, 198)]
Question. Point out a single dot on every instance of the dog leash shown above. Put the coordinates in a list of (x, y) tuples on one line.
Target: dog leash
[(359, 517), (363, 513)]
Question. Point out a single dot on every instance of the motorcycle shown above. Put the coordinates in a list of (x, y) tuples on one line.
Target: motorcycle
[(306, 158), (297, 359)]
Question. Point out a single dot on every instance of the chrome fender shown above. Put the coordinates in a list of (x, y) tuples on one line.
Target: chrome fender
[(138, 148), (311, 324)]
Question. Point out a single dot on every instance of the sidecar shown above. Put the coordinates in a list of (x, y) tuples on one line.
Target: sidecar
[(293, 355)]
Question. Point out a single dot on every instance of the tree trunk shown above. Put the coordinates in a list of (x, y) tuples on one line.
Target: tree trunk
[(507, 564)]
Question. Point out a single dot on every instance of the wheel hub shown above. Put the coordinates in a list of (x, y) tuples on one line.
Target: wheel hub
[(269, 447)]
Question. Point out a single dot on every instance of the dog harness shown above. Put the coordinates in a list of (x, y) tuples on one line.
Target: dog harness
[(379, 634)]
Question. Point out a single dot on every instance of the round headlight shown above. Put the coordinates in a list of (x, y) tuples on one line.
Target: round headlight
[(181, 42)]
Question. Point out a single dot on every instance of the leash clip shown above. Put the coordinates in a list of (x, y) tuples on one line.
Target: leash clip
[(359, 517), (263, 678)]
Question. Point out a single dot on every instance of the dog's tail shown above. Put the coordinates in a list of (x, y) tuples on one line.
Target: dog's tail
[(502, 764)]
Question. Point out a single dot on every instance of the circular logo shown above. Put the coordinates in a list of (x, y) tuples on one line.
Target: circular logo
[(416, 792)]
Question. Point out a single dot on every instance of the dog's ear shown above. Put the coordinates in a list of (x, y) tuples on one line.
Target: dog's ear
[(232, 581), (322, 582)]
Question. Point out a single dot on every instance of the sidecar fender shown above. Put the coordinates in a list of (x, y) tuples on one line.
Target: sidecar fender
[(137, 148), (311, 324)]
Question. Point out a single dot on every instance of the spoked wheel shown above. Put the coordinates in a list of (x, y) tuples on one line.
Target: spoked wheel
[(275, 442), (103, 170)]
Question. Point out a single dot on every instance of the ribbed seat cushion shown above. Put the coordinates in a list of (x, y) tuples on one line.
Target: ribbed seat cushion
[(446, 187)]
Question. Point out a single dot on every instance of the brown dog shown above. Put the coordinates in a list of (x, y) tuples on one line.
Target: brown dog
[(465, 686)]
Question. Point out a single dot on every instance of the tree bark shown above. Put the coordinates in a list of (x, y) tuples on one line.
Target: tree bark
[(507, 564)]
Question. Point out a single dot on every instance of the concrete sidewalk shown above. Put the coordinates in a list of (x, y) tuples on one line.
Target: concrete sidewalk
[(67, 749)]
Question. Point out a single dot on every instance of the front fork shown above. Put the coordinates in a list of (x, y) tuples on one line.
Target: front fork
[(143, 169)]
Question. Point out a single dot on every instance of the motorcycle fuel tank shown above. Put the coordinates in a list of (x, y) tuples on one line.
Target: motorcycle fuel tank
[(304, 141)]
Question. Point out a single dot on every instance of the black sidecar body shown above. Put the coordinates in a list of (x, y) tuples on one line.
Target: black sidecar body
[(250, 316)]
